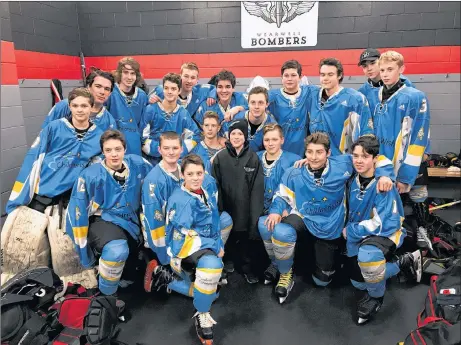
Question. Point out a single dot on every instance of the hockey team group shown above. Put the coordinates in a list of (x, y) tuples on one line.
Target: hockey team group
[(204, 180)]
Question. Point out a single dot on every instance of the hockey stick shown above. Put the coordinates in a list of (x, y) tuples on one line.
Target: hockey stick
[(444, 205)]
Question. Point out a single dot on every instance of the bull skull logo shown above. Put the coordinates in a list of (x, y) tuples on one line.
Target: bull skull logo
[(278, 11)]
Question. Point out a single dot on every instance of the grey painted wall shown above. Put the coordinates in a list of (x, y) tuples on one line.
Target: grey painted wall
[(130, 28), (5, 22), (46, 27)]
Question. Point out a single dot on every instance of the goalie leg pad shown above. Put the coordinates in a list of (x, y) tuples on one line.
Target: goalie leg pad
[(66, 263), (24, 242)]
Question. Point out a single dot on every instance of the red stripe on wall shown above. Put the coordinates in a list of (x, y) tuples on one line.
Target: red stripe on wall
[(8, 64), (34, 65), (418, 60)]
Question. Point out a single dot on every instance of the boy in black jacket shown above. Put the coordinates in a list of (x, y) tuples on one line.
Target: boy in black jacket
[(240, 179)]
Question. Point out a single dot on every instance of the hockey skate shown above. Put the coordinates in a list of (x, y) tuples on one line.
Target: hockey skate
[(270, 274), (285, 285), (411, 266), (156, 277), (367, 307), (204, 326), (223, 279), (422, 239)]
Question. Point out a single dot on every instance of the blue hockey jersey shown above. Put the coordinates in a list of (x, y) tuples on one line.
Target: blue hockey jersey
[(96, 192), (255, 140), (402, 128), (320, 202), (206, 154), (273, 174), (128, 112), (158, 186), (345, 116), (291, 113), (103, 119), (373, 214), (156, 121), (200, 93), (54, 162), (238, 99), (371, 92), (192, 223)]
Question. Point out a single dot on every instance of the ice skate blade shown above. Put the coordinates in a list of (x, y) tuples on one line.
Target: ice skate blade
[(205, 341), (361, 321)]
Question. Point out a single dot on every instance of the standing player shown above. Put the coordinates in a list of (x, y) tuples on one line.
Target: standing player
[(228, 101), (194, 243), (289, 105), (168, 116), (275, 162), (256, 116), (374, 232), (401, 121), (314, 195), (370, 89), (211, 143), (127, 103), (58, 155), (100, 84), (102, 218), (192, 94), (342, 113), (239, 176)]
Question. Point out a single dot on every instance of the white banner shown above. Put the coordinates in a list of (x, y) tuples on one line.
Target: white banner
[(273, 24)]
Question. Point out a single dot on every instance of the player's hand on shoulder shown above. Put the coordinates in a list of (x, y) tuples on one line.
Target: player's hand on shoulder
[(384, 184), (300, 163)]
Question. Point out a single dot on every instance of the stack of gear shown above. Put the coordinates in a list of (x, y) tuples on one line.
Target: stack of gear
[(439, 323), (444, 161), (30, 314), (32, 239)]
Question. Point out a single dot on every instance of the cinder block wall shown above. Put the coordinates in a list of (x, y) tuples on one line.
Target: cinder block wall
[(45, 38)]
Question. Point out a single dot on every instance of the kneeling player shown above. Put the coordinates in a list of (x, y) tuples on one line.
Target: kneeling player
[(374, 232), (193, 238), (314, 195), (102, 218)]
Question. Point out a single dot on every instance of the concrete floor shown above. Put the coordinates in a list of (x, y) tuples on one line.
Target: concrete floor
[(251, 315)]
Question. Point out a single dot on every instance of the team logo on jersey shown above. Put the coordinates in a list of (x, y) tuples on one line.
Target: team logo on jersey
[(421, 133), (370, 123), (171, 214), (81, 185), (278, 12), (344, 103), (158, 215), (247, 169), (402, 107), (423, 108), (324, 199), (151, 189), (77, 213), (347, 173)]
